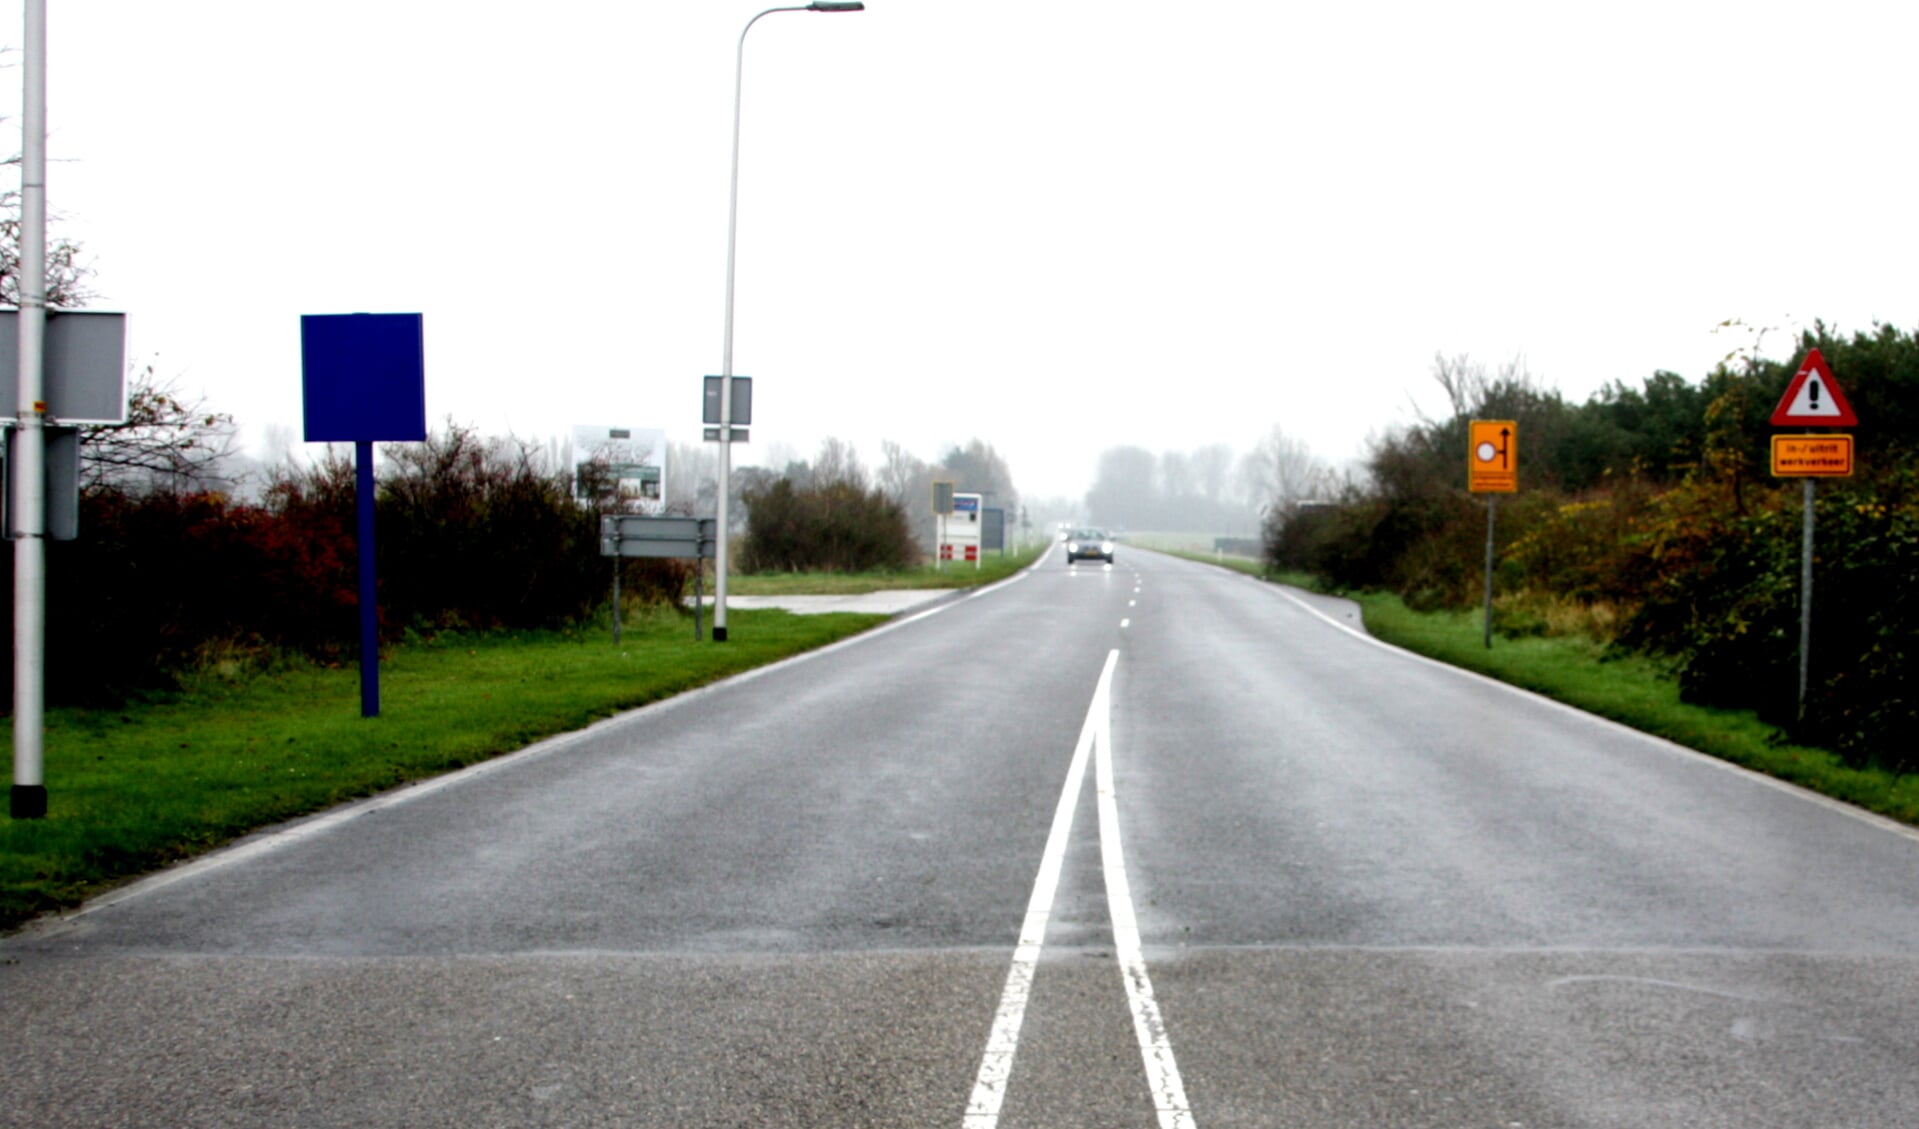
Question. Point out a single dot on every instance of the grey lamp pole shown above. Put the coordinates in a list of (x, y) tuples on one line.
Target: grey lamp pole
[(726, 366), (28, 800)]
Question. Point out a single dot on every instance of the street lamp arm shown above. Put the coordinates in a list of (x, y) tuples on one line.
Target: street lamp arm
[(733, 188), (726, 358)]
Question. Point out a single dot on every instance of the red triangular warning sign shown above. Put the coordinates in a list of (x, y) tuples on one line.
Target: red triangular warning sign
[(1813, 398)]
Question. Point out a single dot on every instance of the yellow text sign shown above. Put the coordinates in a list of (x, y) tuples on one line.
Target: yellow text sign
[(1812, 456), (1492, 457)]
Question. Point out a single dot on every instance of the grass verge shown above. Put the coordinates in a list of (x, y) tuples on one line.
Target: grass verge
[(134, 789), (954, 575)]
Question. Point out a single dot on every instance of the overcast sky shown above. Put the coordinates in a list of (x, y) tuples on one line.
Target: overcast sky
[(1057, 225)]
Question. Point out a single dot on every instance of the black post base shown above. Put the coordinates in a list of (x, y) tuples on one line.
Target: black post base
[(719, 634), (29, 801)]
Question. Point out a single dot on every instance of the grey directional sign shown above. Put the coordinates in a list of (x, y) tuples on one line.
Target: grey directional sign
[(86, 366), (639, 535)]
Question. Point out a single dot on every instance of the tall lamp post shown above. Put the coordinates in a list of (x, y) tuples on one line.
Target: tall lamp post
[(726, 366)]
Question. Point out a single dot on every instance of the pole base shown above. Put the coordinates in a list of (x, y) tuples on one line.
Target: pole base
[(719, 634), (29, 801)]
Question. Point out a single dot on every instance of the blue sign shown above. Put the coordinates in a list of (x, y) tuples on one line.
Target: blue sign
[(966, 503), (363, 377)]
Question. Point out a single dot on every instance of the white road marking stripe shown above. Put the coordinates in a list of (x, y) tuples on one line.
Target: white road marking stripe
[(1155, 1048), (996, 1065)]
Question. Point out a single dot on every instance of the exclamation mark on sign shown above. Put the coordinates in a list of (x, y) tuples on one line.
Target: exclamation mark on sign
[(1812, 391)]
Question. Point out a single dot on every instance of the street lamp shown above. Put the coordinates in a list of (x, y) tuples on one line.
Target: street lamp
[(726, 367)]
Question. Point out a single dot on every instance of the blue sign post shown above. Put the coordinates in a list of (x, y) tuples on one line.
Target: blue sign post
[(364, 381)]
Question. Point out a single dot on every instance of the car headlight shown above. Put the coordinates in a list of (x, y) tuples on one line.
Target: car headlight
[(1072, 546), (1105, 546)]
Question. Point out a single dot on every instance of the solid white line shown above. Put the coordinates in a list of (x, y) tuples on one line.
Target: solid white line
[(996, 1064), (1155, 1048)]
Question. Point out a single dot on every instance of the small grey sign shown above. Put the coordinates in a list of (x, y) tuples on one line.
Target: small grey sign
[(742, 400), (86, 366), (639, 535)]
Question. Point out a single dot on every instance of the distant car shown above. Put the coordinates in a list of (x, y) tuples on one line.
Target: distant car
[(1089, 545)]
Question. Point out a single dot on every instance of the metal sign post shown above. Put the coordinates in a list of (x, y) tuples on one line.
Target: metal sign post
[(363, 380), (1812, 399), (1492, 468), (643, 535)]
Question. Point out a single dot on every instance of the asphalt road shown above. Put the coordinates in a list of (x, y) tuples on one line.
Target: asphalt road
[(1145, 845)]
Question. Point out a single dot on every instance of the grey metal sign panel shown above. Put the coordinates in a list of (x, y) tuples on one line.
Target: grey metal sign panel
[(639, 535), (742, 400), (86, 366), (62, 477), (993, 530)]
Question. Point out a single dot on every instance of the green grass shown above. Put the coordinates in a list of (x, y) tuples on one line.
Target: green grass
[(137, 788), (955, 575)]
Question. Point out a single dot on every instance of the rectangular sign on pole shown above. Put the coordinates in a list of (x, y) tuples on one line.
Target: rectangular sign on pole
[(363, 377), (85, 358), (1812, 456), (1492, 458), (362, 381), (638, 535), (742, 400)]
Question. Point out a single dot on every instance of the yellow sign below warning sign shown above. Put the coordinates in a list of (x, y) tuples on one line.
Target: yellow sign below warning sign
[(1492, 457), (1812, 456)]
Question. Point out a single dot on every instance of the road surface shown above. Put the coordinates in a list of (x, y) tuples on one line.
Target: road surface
[(1147, 844)]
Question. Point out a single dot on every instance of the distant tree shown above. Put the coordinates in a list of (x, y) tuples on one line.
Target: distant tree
[(907, 481), (1125, 491), (67, 272), (979, 469), (692, 478), (839, 462), (167, 442), (900, 473), (1282, 470), (1212, 468)]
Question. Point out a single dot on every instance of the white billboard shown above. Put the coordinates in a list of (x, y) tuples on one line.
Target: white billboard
[(627, 462)]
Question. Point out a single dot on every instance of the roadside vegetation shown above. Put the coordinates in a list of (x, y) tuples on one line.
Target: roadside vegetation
[(1649, 535)]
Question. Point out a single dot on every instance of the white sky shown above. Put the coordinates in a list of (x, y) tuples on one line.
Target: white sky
[(1059, 225)]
